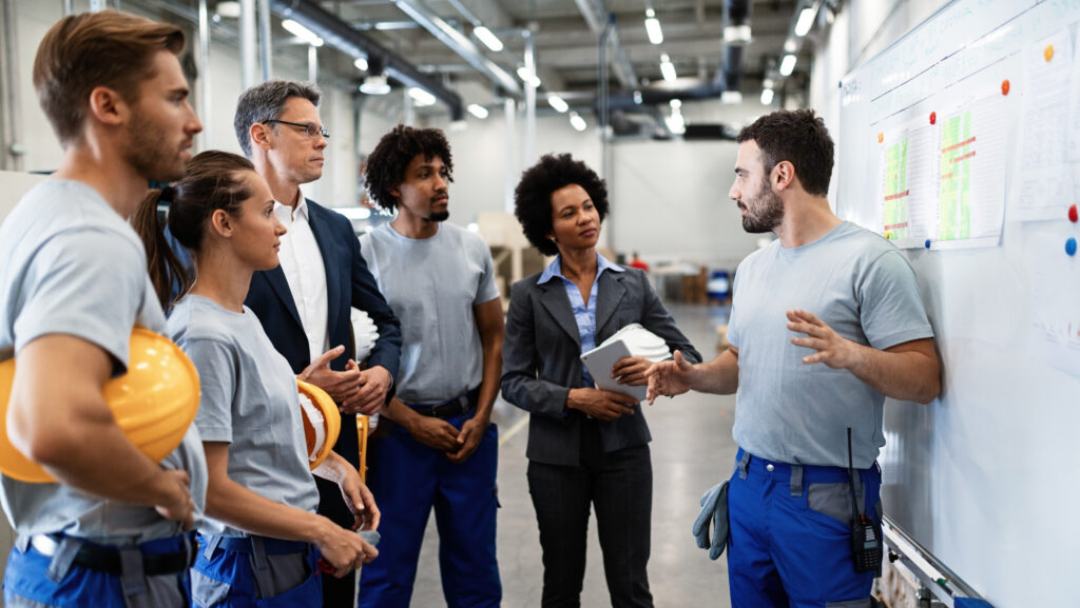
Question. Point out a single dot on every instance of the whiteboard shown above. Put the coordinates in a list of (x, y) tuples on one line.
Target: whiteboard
[(987, 478)]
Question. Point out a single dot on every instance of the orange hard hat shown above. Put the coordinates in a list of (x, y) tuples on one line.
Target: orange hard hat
[(322, 422), (153, 403)]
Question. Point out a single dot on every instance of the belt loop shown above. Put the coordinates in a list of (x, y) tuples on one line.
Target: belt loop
[(132, 573), (212, 542), (22, 542), (260, 567), (796, 479), (61, 561), (744, 464)]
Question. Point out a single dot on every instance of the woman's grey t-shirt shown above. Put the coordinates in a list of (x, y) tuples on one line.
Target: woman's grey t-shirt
[(249, 400), (69, 264)]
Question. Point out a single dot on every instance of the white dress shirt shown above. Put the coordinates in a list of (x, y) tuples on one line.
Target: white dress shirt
[(303, 265)]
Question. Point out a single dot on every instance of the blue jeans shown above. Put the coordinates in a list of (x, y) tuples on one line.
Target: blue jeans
[(408, 479), (790, 542)]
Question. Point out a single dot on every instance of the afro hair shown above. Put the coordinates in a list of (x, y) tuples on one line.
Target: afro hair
[(532, 197), (387, 163)]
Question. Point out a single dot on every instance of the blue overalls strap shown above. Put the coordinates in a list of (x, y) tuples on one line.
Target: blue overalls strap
[(132, 574), (796, 480), (66, 550), (744, 464)]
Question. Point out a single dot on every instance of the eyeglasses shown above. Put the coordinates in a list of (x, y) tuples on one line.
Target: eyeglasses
[(311, 129)]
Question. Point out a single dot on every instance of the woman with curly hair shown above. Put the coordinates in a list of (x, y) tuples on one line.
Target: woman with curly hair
[(587, 446)]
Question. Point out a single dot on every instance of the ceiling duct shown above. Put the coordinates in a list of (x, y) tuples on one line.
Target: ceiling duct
[(345, 38), (460, 44)]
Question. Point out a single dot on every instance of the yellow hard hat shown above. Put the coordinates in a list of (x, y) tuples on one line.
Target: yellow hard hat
[(154, 403), (322, 422)]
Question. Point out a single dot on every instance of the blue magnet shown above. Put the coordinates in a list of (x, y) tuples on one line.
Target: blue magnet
[(1070, 246), (927, 244)]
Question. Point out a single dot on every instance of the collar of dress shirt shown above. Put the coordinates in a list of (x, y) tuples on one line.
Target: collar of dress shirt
[(554, 269)]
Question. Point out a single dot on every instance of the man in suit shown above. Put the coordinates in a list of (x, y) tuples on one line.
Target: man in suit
[(304, 303)]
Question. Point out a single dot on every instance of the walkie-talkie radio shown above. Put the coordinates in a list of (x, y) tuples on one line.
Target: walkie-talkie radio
[(866, 548)]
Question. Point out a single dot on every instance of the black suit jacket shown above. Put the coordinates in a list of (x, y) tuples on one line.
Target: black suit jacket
[(541, 359), (348, 283)]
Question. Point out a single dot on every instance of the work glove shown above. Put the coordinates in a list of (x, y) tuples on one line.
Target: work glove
[(714, 509)]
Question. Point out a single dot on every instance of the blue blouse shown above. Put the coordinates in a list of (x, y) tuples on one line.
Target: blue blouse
[(584, 314)]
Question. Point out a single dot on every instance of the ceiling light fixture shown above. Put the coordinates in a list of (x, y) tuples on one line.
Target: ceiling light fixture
[(528, 77), (667, 68), (421, 97), (737, 34), (787, 66), (489, 39), (806, 21), (577, 121), (375, 84), (478, 111), (558, 103), (361, 64), (767, 97), (301, 32), (652, 27)]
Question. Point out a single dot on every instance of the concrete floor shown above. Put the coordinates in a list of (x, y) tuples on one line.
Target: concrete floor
[(692, 450)]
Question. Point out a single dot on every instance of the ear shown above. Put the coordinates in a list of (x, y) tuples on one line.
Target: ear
[(259, 135), (107, 106), (396, 193), (783, 176), (221, 223)]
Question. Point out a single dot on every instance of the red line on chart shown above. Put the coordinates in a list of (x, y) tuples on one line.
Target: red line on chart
[(963, 157), (893, 197), (959, 145)]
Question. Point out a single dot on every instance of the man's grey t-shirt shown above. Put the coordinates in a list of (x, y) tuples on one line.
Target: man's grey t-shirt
[(861, 286), (249, 400), (69, 264), (432, 285)]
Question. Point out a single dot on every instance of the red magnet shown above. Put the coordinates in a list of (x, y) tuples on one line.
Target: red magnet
[(933, 118), (1074, 215), (1005, 87)]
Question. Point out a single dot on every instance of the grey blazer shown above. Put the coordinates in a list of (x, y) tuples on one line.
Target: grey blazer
[(541, 359)]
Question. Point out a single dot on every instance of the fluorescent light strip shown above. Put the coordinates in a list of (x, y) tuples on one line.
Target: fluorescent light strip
[(558, 103), (478, 111), (767, 97), (652, 27), (667, 68), (301, 32), (577, 121), (421, 97), (787, 66), (361, 64), (805, 22), (528, 77), (489, 39)]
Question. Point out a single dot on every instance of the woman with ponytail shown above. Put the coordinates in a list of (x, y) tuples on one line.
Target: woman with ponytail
[(261, 540)]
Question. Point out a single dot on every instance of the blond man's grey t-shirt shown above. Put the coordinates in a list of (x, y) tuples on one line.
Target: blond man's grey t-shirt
[(69, 264)]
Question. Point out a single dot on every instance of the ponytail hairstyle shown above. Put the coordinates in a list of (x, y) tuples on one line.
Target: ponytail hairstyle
[(211, 181)]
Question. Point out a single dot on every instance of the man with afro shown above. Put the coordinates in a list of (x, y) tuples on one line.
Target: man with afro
[(441, 449)]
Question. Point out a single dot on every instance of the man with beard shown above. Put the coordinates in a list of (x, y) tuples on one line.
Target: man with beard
[(441, 449), (826, 322), (73, 284), (304, 304)]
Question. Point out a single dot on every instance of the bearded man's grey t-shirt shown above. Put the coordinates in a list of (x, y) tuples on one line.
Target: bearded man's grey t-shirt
[(860, 285)]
